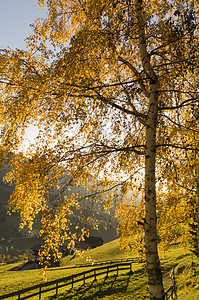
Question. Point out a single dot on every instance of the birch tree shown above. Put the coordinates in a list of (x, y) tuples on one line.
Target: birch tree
[(110, 85)]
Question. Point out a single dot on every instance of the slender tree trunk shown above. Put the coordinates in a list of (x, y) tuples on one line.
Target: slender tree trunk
[(156, 290), (197, 203)]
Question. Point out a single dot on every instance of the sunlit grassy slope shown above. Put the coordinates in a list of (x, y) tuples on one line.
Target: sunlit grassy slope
[(107, 251), (186, 267), (122, 287), (15, 280)]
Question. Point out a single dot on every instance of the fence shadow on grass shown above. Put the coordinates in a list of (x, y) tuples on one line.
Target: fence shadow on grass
[(99, 288), (83, 290)]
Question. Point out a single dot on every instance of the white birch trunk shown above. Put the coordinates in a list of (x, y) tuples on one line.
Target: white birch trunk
[(156, 290)]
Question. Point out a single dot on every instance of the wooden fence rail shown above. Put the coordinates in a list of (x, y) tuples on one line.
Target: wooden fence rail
[(38, 290), (171, 291), (103, 262)]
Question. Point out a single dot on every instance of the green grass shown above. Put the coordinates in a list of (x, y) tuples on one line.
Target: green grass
[(108, 251), (16, 280), (122, 287), (11, 281), (135, 286)]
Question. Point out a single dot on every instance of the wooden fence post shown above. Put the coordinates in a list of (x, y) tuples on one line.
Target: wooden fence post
[(19, 296), (56, 288), (107, 271), (40, 293), (172, 276), (117, 270), (131, 271), (84, 278), (95, 278)]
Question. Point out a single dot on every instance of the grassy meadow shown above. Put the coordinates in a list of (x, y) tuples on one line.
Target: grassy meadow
[(124, 286)]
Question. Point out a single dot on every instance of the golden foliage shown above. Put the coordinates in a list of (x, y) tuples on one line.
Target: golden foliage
[(86, 81)]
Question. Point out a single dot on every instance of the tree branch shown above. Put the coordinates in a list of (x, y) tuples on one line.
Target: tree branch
[(137, 74), (135, 113), (183, 104), (179, 125), (176, 146)]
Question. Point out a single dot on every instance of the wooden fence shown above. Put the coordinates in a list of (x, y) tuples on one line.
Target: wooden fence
[(105, 262), (38, 290), (171, 291)]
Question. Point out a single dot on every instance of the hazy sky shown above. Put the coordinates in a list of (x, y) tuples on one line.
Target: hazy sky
[(15, 18)]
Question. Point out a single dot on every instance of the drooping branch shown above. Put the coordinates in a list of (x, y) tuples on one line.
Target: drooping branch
[(90, 195), (111, 188)]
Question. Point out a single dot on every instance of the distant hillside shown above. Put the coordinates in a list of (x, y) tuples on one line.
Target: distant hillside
[(90, 212)]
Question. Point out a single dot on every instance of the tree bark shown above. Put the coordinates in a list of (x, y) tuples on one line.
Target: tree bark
[(197, 205), (156, 289), (153, 268)]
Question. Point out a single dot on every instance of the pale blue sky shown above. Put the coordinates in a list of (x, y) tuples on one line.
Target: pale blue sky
[(15, 18)]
